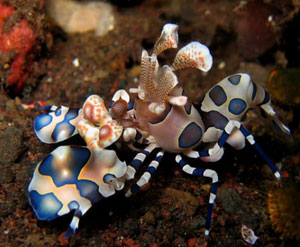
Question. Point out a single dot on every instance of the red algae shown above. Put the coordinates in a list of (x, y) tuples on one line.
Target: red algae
[(18, 41)]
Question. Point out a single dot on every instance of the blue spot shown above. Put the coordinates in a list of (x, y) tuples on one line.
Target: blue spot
[(107, 178), (45, 206), (42, 121), (234, 79), (162, 117), (65, 125), (73, 205), (58, 112), (214, 119), (190, 136), (254, 91), (54, 167), (89, 190), (218, 95), (237, 106)]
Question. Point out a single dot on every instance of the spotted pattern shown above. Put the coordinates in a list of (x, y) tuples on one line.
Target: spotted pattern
[(45, 206), (65, 125), (237, 106), (89, 190), (218, 95), (58, 112), (190, 136), (65, 169), (214, 119), (73, 205), (234, 79), (42, 121)]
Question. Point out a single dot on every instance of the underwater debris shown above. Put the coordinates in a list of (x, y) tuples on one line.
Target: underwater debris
[(75, 17), (283, 205), (248, 235)]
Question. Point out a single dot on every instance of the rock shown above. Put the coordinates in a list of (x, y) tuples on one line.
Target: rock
[(234, 205), (149, 218), (75, 17), (10, 146), (6, 176), (188, 202), (255, 33)]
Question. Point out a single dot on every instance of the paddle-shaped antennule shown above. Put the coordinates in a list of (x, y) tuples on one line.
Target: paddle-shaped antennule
[(168, 39)]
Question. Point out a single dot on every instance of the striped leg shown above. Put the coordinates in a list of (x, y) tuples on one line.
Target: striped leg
[(144, 179), (131, 134), (218, 147), (138, 161), (251, 140), (78, 212), (223, 138), (268, 109), (74, 223), (213, 190)]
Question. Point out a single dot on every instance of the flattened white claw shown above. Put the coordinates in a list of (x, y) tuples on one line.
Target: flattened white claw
[(193, 55)]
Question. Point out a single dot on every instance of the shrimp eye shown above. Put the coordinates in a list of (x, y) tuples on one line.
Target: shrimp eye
[(119, 108)]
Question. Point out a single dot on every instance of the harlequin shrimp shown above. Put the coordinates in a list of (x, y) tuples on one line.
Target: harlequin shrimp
[(73, 178), (166, 119), (161, 118)]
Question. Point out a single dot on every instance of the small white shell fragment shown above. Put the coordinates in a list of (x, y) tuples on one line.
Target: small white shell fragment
[(248, 235), (221, 65), (76, 62)]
